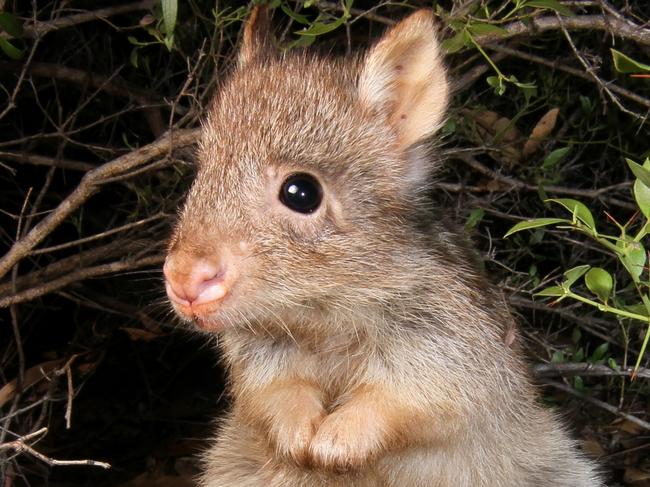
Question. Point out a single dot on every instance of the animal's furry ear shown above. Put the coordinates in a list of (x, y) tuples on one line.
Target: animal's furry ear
[(257, 43), (403, 76)]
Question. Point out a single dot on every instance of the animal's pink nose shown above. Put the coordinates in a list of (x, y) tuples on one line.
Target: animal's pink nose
[(196, 282)]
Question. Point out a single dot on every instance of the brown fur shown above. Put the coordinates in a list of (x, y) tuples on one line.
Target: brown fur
[(363, 346)]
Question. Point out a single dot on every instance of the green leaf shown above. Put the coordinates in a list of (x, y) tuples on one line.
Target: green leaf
[(169, 42), (133, 58), (320, 28), (553, 291), (625, 64), (537, 222), (170, 12), (572, 275), (612, 364), (11, 24), (639, 171), (474, 218), (576, 335), (456, 43), (578, 383), (347, 5), (10, 50), (638, 309), (633, 257), (579, 355), (558, 357), (599, 282), (481, 29), (646, 338), (578, 209), (496, 83), (550, 4), (599, 353), (642, 197), (555, 157), (301, 19)]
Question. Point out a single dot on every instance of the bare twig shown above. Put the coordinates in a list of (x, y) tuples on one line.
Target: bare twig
[(600, 404), (115, 249), (517, 184), (39, 29), (568, 69), (585, 323), (97, 236), (585, 369), (359, 13), (40, 160), (88, 186), (591, 72), (21, 446), (615, 26), (85, 273), (111, 85)]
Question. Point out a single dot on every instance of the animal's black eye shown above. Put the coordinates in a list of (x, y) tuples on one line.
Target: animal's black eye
[(301, 192)]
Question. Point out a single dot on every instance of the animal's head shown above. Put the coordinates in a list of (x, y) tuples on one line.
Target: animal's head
[(308, 170)]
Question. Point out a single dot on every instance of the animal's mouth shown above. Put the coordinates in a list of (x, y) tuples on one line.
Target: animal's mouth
[(209, 325), (205, 316)]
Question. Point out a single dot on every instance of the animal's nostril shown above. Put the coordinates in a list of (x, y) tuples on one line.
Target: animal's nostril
[(211, 290), (196, 282), (176, 292)]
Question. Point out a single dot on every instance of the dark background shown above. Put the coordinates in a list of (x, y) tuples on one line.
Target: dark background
[(86, 328)]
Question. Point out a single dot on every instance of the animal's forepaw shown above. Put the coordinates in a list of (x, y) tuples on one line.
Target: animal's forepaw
[(346, 440), (294, 433)]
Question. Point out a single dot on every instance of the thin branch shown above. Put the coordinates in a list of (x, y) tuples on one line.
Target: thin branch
[(567, 69), (600, 404), (81, 274), (112, 250), (585, 323), (359, 13), (585, 369), (469, 77), (39, 29), (608, 23), (520, 185), (39, 160), (89, 185), (21, 446), (97, 236), (591, 72), (616, 26)]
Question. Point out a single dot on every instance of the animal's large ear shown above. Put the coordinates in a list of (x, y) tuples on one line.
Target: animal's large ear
[(403, 76), (257, 42)]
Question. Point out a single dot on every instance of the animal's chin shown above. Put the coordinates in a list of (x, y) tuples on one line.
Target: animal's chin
[(206, 319), (209, 324)]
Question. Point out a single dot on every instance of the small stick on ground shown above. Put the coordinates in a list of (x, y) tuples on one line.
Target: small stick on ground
[(21, 445)]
